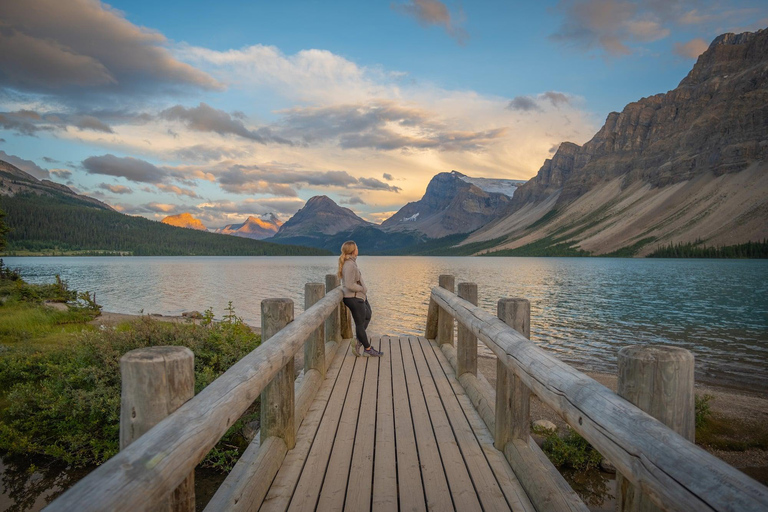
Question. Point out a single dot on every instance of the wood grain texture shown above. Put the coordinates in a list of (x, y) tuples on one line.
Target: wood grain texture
[(385, 462), (278, 400), (155, 382), (314, 347), (281, 492), (161, 459), (430, 332), (674, 472), (659, 380), (513, 398), (333, 322), (466, 342), (444, 319)]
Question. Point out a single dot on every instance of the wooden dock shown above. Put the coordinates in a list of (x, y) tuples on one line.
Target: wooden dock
[(415, 430), (394, 432)]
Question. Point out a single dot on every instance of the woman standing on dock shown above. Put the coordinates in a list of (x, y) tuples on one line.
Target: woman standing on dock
[(356, 297)]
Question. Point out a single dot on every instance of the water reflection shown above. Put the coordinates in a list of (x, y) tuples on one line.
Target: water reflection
[(583, 309), (28, 484)]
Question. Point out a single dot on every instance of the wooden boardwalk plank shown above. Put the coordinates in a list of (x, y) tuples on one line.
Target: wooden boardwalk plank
[(385, 461), (463, 492), (359, 486), (312, 475), (410, 487), (334, 485), (284, 484), (436, 490), (510, 485), (488, 490)]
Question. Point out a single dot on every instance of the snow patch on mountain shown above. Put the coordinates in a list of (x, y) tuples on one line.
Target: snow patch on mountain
[(492, 185)]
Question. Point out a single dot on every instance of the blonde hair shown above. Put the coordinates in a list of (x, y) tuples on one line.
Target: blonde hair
[(347, 250)]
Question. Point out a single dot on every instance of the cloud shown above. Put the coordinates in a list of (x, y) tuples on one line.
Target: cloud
[(433, 12), (23, 122), (130, 168), (387, 176), (524, 104), (382, 125), (62, 174), (531, 104), (92, 123), (116, 189), (610, 25), (352, 200), (205, 118), (173, 189), (27, 166), (374, 184), (59, 47), (692, 49)]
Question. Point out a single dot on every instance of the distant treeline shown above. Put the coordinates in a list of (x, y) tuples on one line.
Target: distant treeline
[(60, 224), (697, 250)]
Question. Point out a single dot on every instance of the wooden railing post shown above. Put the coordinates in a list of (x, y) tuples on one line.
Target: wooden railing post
[(444, 319), (659, 380), (466, 342), (277, 400), (155, 382), (513, 398), (314, 347), (333, 323)]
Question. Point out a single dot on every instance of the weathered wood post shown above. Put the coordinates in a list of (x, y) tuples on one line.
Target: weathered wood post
[(445, 320), (433, 311), (466, 342), (333, 323), (277, 400), (659, 380), (513, 398), (155, 382), (314, 347)]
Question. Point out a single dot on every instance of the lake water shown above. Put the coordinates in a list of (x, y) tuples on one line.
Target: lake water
[(583, 310)]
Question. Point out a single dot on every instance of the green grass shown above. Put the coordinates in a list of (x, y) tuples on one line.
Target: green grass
[(60, 378)]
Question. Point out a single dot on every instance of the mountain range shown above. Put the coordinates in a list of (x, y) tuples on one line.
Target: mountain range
[(48, 218), (689, 166)]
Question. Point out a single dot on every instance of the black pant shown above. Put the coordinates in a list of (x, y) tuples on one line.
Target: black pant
[(361, 314)]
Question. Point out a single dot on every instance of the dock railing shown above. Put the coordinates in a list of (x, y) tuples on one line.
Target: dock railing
[(145, 474), (672, 472)]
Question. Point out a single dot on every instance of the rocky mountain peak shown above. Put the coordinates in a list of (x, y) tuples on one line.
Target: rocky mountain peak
[(320, 214), (184, 220), (728, 54)]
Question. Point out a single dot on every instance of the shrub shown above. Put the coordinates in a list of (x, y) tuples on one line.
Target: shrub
[(571, 450), (702, 409), (64, 402)]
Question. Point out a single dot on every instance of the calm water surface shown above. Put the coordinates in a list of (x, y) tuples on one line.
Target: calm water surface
[(582, 309)]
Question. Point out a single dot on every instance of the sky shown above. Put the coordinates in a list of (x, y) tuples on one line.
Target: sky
[(228, 109)]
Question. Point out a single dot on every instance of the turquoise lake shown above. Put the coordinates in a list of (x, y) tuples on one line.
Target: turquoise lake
[(583, 310)]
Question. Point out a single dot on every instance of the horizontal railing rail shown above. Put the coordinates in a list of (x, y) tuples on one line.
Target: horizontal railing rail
[(150, 468), (673, 472)]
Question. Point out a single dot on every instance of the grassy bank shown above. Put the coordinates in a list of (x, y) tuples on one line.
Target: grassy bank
[(60, 376)]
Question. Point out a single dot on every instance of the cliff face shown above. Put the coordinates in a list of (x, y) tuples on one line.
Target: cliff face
[(453, 203), (257, 228), (714, 121), (713, 126), (15, 181), (320, 216), (184, 220)]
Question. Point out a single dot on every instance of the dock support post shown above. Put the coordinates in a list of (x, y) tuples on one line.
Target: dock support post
[(513, 398), (314, 347), (444, 320), (333, 323), (659, 380), (155, 382), (433, 311), (277, 400), (466, 342)]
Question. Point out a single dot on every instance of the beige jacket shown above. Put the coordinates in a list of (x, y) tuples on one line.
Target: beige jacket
[(352, 283)]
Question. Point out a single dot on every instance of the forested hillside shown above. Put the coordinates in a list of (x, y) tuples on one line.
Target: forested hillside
[(62, 224)]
